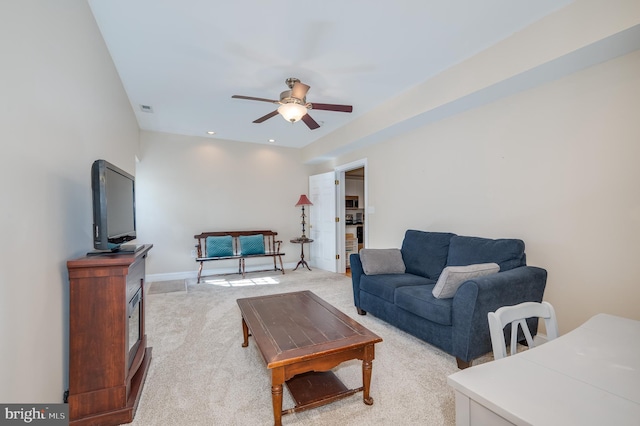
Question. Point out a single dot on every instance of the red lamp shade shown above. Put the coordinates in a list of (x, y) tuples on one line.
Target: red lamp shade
[(304, 201)]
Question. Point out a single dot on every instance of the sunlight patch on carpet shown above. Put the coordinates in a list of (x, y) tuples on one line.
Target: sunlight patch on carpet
[(221, 282)]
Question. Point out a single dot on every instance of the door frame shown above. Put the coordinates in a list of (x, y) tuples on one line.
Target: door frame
[(340, 237)]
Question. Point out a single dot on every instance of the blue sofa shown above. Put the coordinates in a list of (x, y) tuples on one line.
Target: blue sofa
[(458, 325)]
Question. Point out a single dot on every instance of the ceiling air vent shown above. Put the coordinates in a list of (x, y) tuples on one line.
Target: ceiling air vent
[(146, 108)]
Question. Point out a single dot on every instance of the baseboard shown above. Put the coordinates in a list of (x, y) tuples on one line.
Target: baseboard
[(212, 271)]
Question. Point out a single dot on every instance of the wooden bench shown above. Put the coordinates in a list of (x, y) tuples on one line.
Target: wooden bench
[(225, 245)]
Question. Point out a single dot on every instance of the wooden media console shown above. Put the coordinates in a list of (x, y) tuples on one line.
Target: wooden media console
[(108, 353)]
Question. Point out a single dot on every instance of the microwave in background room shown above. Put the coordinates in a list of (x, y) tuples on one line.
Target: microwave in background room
[(351, 202)]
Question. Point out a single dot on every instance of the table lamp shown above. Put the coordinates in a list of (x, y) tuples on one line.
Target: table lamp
[(303, 201)]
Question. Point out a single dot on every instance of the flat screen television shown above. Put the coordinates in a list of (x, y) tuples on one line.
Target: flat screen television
[(114, 208)]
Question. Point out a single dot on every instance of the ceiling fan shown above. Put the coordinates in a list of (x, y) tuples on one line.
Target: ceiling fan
[(294, 106)]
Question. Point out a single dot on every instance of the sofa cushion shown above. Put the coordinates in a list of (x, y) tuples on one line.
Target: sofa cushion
[(385, 285), (425, 253), (452, 277), (382, 261), (508, 253), (419, 301)]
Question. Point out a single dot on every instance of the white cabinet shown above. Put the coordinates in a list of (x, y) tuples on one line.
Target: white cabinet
[(351, 246)]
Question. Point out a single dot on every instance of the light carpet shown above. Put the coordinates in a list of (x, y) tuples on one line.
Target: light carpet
[(201, 375)]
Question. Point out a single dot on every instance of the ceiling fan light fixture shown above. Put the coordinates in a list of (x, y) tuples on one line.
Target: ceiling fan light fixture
[(292, 112)]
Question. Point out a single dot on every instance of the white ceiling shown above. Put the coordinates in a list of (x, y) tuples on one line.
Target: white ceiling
[(186, 58)]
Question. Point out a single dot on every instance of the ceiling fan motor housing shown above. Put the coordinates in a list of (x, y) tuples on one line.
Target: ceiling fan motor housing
[(286, 98)]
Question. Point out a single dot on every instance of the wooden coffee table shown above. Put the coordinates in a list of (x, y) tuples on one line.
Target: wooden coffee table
[(301, 338)]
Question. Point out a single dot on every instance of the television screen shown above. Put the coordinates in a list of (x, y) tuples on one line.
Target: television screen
[(114, 208)]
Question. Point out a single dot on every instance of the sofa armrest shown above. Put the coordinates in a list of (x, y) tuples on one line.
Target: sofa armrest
[(356, 272), (476, 298)]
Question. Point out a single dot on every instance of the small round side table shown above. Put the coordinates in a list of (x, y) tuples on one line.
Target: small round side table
[(301, 241)]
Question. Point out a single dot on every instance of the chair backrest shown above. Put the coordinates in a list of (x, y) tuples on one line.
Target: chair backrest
[(516, 316)]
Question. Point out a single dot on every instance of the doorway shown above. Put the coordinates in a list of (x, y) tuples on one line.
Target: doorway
[(354, 214), (353, 230), (328, 227)]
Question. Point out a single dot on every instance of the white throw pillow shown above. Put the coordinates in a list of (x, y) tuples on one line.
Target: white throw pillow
[(382, 261), (453, 276)]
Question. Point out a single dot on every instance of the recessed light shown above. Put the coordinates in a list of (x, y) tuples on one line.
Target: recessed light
[(272, 140), (211, 133), (146, 108)]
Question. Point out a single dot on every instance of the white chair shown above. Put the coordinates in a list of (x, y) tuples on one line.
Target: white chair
[(516, 316)]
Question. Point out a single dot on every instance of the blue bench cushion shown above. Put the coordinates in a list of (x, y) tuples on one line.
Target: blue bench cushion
[(421, 302), (220, 246), (385, 285), (506, 252), (425, 253), (251, 244)]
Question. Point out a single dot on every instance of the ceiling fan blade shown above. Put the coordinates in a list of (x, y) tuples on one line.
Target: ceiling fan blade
[(332, 107), (310, 122), (251, 98), (299, 90), (266, 117)]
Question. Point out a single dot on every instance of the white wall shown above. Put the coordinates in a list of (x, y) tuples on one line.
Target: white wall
[(556, 166), (355, 187), (62, 106), (187, 185)]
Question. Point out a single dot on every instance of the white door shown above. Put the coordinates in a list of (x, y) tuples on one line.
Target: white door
[(322, 220)]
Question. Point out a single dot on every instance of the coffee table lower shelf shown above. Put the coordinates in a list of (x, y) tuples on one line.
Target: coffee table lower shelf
[(313, 389)]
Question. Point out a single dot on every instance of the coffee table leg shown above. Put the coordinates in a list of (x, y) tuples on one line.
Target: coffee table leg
[(245, 334), (277, 380), (367, 367)]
